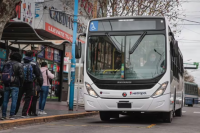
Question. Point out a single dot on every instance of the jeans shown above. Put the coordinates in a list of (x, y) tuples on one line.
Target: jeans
[(43, 96), (14, 92)]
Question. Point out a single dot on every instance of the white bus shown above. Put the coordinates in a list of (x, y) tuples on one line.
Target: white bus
[(132, 64)]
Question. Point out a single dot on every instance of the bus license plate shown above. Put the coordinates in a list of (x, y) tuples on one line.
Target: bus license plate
[(124, 105)]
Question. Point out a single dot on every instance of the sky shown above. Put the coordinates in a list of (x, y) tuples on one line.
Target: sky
[(189, 38)]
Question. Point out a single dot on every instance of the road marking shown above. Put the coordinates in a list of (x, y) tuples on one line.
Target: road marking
[(84, 125), (150, 126), (183, 111), (197, 112)]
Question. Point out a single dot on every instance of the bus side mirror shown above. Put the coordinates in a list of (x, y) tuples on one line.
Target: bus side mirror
[(78, 50)]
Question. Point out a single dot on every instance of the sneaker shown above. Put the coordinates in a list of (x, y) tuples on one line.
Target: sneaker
[(39, 112), (3, 118), (44, 113), (12, 117)]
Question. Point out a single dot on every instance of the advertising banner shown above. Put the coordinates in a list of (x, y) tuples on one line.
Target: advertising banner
[(49, 53), (41, 54), (57, 56)]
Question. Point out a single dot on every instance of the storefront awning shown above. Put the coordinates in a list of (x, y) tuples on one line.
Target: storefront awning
[(23, 33), (53, 43), (19, 31)]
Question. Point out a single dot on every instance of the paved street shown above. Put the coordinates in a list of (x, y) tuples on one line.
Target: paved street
[(188, 123)]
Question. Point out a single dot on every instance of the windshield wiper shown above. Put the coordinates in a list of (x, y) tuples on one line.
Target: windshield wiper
[(118, 49), (137, 43)]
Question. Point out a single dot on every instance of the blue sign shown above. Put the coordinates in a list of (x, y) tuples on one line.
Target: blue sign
[(41, 54), (57, 56), (94, 26)]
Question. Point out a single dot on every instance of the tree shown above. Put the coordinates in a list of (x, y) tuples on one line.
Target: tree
[(188, 77), (7, 12), (169, 8)]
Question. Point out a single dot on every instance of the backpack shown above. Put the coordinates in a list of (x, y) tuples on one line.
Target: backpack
[(28, 72), (8, 73)]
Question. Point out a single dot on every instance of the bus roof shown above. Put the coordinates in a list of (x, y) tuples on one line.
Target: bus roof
[(126, 17)]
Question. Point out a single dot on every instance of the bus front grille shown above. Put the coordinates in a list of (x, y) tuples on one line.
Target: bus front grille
[(125, 86)]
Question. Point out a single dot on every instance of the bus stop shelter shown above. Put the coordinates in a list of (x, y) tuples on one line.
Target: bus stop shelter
[(21, 33)]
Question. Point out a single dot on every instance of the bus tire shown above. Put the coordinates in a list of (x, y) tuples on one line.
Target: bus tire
[(104, 116), (168, 116), (178, 112)]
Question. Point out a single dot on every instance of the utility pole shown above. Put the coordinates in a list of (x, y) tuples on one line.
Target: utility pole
[(73, 61)]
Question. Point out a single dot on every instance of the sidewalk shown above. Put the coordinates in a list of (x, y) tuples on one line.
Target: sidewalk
[(51, 108), (54, 110)]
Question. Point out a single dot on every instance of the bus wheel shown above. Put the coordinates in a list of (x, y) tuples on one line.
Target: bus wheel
[(178, 112), (104, 116), (168, 116)]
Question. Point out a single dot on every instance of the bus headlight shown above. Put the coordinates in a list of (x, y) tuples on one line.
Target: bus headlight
[(160, 90), (90, 90)]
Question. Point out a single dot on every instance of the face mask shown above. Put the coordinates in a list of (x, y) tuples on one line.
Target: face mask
[(152, 59)]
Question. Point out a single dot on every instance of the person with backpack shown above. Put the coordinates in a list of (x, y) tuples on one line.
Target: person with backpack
[(31, 71), (47, 76), (12, 78)]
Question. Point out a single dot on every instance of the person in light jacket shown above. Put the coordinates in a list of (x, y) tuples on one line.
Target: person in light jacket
[(45, 88)]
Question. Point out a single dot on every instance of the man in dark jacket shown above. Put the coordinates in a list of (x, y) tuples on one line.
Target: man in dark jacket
[(14, 85), (28, 86)]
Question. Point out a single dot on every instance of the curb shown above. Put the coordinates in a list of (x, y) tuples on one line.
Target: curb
[(19, 122)]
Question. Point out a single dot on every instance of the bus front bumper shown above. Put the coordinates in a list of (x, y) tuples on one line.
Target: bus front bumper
[(159, 104)]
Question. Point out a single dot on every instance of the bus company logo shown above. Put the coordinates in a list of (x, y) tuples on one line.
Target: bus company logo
[(101, 92), (138, 93), (124, 94), (124, 82)]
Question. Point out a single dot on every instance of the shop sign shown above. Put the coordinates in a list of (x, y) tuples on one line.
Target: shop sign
[(59, 33), (49, 53), (57, 56), (66, 20)]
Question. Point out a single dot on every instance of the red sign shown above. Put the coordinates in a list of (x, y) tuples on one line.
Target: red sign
[(59, 33), (18, 10), (49, 53), (68, 54)]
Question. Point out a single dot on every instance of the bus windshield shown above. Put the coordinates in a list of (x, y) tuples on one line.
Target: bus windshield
[(131, 57)]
